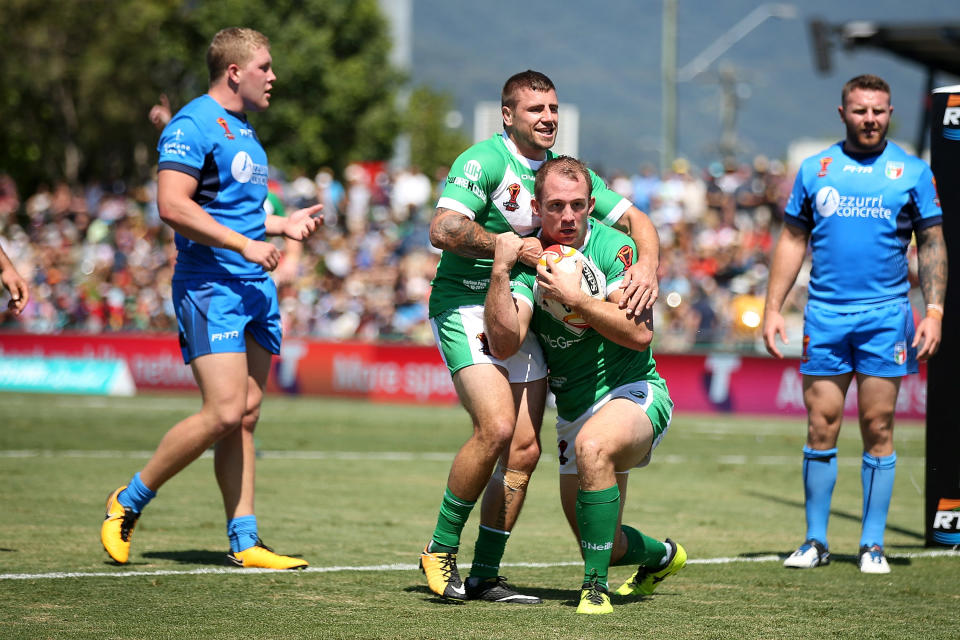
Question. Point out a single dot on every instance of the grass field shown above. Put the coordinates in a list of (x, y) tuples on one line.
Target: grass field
[(355, 488)]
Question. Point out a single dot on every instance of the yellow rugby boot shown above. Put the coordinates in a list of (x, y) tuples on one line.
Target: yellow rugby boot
[(117, 528), (443, 578), (260, 556), (594, 599), (644, 581)]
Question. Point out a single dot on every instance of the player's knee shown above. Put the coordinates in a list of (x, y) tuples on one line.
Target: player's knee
[(225, 419), (524, 455), (250, 419), (591, 452), (497, 432)]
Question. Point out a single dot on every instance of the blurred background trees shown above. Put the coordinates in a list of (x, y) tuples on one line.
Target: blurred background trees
[(78, 78)]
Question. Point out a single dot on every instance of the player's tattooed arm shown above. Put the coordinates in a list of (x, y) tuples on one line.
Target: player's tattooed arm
[(932, 264), (452, 231)]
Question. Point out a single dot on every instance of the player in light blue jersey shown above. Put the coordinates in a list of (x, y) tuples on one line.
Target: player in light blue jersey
[(858, 204), (211, 187)]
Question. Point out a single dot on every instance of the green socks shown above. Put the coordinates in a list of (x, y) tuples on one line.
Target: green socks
[(597, 513), (488, 552), (453, 516), (642, 550)]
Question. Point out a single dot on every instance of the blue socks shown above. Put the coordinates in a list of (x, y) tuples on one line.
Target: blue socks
[(242, 532), (819, 477), (877, 475), (136, 496)]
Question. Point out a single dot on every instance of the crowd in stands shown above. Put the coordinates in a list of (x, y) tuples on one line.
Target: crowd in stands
[(99, 259)]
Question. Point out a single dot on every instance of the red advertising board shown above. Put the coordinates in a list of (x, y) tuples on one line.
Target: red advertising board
[(717, 382)]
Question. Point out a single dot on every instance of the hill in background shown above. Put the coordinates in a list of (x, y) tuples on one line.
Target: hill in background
[(605, 58)]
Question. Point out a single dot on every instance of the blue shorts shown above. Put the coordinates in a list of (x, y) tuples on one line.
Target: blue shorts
[(874, 341), (214, 316)]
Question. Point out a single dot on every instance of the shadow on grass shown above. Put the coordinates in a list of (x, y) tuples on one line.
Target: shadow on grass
[(855, 517), (564, 596), (191, 556)]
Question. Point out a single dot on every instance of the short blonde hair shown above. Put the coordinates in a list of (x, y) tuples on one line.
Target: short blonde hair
[(566, 166), (234, 45)]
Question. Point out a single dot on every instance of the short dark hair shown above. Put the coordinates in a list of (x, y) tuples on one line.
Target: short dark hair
[(529, 79), (565, 166), (866, 82)]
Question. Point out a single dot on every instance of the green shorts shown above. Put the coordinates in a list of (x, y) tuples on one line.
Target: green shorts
[(651, 395), (460, 337)]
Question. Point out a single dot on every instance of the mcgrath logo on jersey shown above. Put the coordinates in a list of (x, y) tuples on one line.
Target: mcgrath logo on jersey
[(946, 522), (893, 170), (951, 118), (827, 200), (226, 129), (625, 255), (824, 163), (900, 352), (514, 191), (472, 170)]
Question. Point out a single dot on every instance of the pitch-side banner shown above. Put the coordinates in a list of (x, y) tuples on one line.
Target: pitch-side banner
[(943, 437), (415, 374)]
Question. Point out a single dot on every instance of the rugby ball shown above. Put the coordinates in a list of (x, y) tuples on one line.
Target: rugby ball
[(592, 282)]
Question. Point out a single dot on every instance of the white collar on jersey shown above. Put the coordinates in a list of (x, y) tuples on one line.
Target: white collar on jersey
[(512, 148)]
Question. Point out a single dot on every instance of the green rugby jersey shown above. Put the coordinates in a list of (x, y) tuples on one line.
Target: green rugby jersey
[(492, 184), (584, 366)]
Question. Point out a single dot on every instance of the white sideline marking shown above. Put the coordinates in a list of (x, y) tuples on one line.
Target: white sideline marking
[(937, 553)]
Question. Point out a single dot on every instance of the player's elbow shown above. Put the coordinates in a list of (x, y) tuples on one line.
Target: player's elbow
[(502, 346), (439, 237), (168, 212), (641, 339)]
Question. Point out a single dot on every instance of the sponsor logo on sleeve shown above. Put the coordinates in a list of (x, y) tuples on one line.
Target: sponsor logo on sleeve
[(625, 255), (472, 170)]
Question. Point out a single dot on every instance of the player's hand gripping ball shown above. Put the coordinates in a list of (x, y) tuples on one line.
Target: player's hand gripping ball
[(592, 282)]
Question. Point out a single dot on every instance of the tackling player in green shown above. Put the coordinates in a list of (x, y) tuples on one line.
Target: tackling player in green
[(613, 407), (488, 192)]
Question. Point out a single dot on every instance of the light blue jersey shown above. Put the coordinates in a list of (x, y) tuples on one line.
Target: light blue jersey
[(861, 212), (221, 150)]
